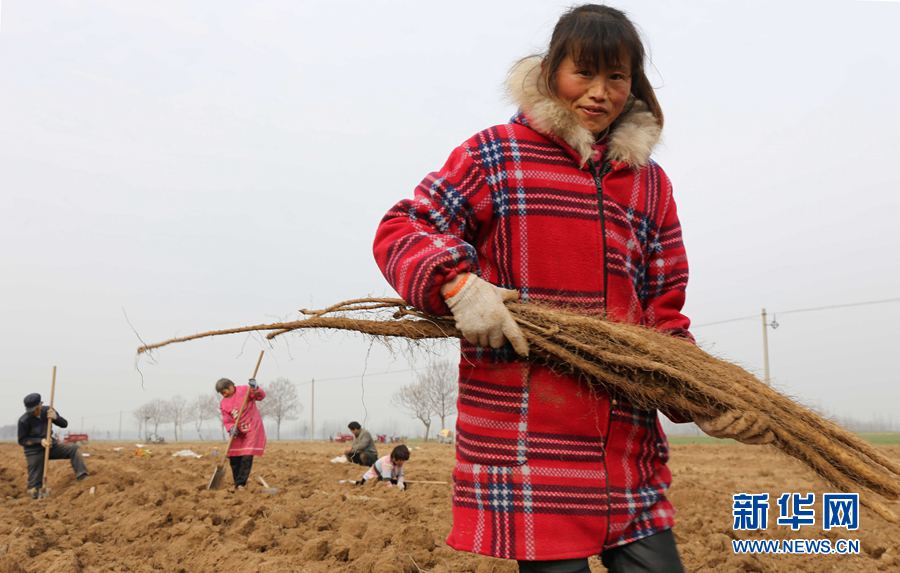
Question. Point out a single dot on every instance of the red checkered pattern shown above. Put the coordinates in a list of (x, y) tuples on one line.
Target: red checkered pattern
[(546, 468)]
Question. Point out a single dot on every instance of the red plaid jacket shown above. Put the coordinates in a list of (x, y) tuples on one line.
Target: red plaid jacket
[(545, 468)]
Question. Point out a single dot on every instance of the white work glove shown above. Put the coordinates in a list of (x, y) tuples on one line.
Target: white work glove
[(481, 315), (749, 428)]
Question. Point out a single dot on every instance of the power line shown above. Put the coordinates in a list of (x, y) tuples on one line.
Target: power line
[(796, 310), (847, 305), (356, 376), (752, 316)]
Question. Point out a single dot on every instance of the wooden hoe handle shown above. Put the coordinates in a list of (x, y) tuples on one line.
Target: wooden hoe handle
[(258, 362), (49, 431)]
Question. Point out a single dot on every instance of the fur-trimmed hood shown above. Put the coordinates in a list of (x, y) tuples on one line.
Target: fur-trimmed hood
[(632, 138)]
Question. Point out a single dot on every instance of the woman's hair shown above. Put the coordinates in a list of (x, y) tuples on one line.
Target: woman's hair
[(354, 426), (401, 452), (596, 37), (222, 384)]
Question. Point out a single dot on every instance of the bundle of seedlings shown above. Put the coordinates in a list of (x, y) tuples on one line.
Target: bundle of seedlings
[(648, 368)]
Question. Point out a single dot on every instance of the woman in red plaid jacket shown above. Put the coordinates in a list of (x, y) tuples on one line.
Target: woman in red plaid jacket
[(564, 206)]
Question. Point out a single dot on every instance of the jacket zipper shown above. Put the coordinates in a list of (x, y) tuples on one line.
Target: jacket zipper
[(612, 404), (605, 168)]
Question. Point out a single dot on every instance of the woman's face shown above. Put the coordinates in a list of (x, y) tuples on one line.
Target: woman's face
[(596, 99), (228, 392)]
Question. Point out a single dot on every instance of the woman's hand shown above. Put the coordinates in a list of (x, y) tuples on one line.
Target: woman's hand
[(480, 314), (747, 427)]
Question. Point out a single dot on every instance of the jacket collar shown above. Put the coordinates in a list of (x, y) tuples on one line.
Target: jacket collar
[(631, 140)]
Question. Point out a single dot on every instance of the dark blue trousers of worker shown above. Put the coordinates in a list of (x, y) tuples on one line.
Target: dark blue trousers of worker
[(35, 463), (240, 469)]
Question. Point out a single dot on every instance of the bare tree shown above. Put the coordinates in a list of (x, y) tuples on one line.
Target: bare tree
[(142, 415), (156, 413), (176, 411), (440, 380), (414, 398), (205, 407), (280, 403)]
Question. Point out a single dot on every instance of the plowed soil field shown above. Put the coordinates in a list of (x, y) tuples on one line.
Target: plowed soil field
[(153, 513)]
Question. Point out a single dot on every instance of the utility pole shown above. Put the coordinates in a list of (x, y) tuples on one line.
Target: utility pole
[(120, 425), (312, 409), (765, 327)]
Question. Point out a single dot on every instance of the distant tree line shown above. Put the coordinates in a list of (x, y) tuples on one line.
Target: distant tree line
[(8, 432)]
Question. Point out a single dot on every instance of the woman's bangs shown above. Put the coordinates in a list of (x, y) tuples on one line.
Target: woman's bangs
[(599, 51)]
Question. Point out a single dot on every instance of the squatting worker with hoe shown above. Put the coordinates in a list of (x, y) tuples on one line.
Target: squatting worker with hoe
[(33, 438), (248, 432), (563, 206), (362, 449)]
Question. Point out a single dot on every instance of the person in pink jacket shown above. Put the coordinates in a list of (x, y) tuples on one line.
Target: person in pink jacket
[(249, 433)]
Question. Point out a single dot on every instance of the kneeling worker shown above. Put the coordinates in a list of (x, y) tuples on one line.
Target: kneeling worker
[(362, 449), (33, 437)]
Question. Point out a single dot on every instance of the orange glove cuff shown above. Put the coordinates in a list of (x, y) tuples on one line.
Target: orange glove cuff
[(456, 288)]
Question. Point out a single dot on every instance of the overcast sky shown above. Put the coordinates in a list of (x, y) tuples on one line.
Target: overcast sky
[(206, 164)]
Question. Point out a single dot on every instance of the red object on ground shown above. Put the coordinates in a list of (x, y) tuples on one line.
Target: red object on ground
[(343, 438), (73, 438), (381, 438)]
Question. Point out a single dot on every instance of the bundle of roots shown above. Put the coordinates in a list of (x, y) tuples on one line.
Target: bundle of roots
[(651, 369)]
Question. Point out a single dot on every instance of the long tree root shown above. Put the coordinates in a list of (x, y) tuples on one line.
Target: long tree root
[(651, 369)]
